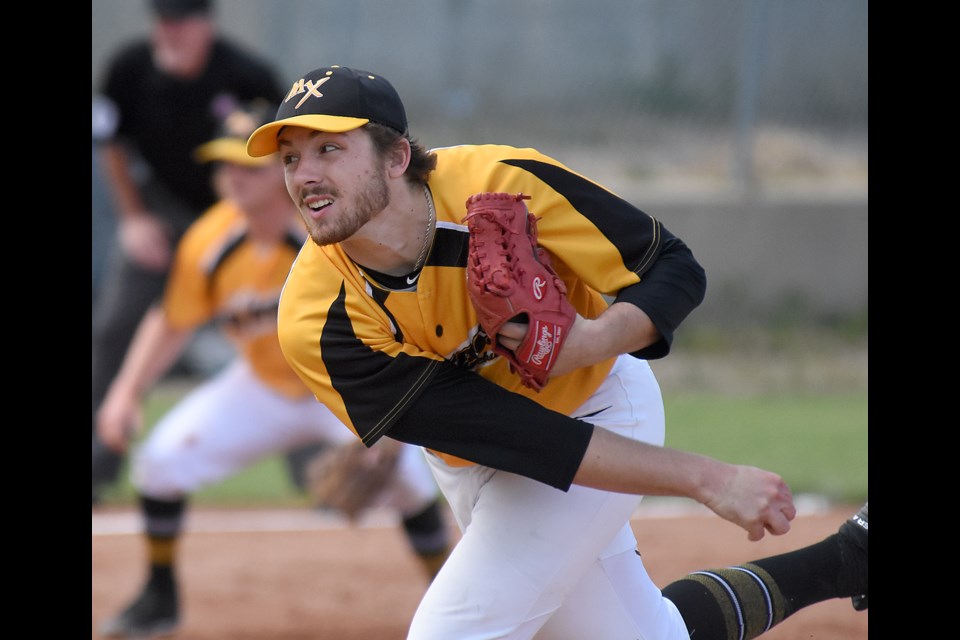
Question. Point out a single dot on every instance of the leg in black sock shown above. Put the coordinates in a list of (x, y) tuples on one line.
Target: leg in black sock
[(156, 609), (746, 600)]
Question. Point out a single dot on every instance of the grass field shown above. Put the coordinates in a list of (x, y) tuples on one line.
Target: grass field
[(818, 443), (797, 407)]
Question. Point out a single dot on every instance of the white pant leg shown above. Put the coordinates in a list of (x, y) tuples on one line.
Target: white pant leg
[(527, 548), (233, 420), (616, 600), (223, 426)]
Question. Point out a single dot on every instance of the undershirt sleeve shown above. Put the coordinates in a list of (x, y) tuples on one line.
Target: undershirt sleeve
[(673, 287)]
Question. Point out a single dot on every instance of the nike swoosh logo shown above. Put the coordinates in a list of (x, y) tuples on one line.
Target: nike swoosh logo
[(413, 279)]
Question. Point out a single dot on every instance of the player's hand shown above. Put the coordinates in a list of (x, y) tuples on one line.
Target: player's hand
[(145, 240), (512, 334), (622, 328), (118, 418), (572, 356), (756, 500)]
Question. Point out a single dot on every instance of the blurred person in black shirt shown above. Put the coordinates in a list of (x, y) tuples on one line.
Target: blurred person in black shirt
[(161, 96)]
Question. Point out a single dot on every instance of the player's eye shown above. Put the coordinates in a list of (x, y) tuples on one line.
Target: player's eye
[(288, 158), (327, 148)]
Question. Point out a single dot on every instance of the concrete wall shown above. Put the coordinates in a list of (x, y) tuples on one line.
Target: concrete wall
[(767, 258)]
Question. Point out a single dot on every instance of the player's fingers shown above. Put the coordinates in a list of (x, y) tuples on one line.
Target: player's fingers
[(789, 511), (512, 334), (783, 503), (110, 430), (514, 330), (154, 259), (114, 438), (755, 532), (777, 516), (778, 525)]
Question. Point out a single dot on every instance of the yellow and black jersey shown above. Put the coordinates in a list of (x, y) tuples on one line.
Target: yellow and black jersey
[(371, 346), (219, 274)]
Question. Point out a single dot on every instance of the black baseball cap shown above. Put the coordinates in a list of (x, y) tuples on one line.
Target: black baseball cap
[(334, 99), (180, 8), (236, 125)]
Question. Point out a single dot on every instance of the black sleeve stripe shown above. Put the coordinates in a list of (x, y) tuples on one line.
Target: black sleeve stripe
[(467, 416), (358, 372), (653, 250), (404, 403), (617, 219)]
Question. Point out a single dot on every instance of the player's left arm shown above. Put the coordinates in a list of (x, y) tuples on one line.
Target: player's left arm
[(598, 238), (642, 318)]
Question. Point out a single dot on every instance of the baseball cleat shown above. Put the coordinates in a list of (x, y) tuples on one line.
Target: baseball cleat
[(154, 613), (856, 529)]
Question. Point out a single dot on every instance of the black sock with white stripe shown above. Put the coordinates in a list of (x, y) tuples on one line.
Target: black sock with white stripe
[(742, 602)]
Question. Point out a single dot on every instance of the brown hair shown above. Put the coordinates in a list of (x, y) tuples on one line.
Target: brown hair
[(422, 162)]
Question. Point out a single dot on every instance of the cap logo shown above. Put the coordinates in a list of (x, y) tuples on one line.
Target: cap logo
[(305, 86)]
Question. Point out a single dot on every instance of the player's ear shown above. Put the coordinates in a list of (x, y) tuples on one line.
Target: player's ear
[(398, 157)]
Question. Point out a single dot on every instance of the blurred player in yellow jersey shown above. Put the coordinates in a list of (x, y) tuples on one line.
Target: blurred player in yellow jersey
[(230, 268)]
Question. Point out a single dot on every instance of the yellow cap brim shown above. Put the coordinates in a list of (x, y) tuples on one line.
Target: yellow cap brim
[(263, 141), (232, 150)]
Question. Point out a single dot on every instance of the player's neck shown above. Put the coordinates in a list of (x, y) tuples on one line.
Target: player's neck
[(398, 238)]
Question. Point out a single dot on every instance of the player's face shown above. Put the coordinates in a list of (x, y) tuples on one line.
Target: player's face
[(337, 180)]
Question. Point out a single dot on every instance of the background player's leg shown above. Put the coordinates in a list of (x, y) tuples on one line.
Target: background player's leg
[(156, 609), (220, 427), (415, 495)]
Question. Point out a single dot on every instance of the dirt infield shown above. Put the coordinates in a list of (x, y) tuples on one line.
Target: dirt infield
[(293, 576)]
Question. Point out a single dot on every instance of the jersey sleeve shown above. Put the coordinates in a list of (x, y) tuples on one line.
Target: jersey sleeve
[(673, 286), (467, 416)]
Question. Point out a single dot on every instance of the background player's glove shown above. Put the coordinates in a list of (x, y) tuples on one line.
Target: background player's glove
[(510, 279), (350, 477)]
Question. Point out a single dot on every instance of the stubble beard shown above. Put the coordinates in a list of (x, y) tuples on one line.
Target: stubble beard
[(367, 204)]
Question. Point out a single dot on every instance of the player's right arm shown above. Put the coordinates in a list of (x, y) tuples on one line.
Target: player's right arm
[(464, 415), (142, 235), (155, 347), (752, 498)]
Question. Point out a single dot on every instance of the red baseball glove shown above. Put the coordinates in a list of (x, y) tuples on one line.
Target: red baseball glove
[(510, 279)]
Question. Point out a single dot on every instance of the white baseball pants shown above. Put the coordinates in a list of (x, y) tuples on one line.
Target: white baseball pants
[(537, 562)]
